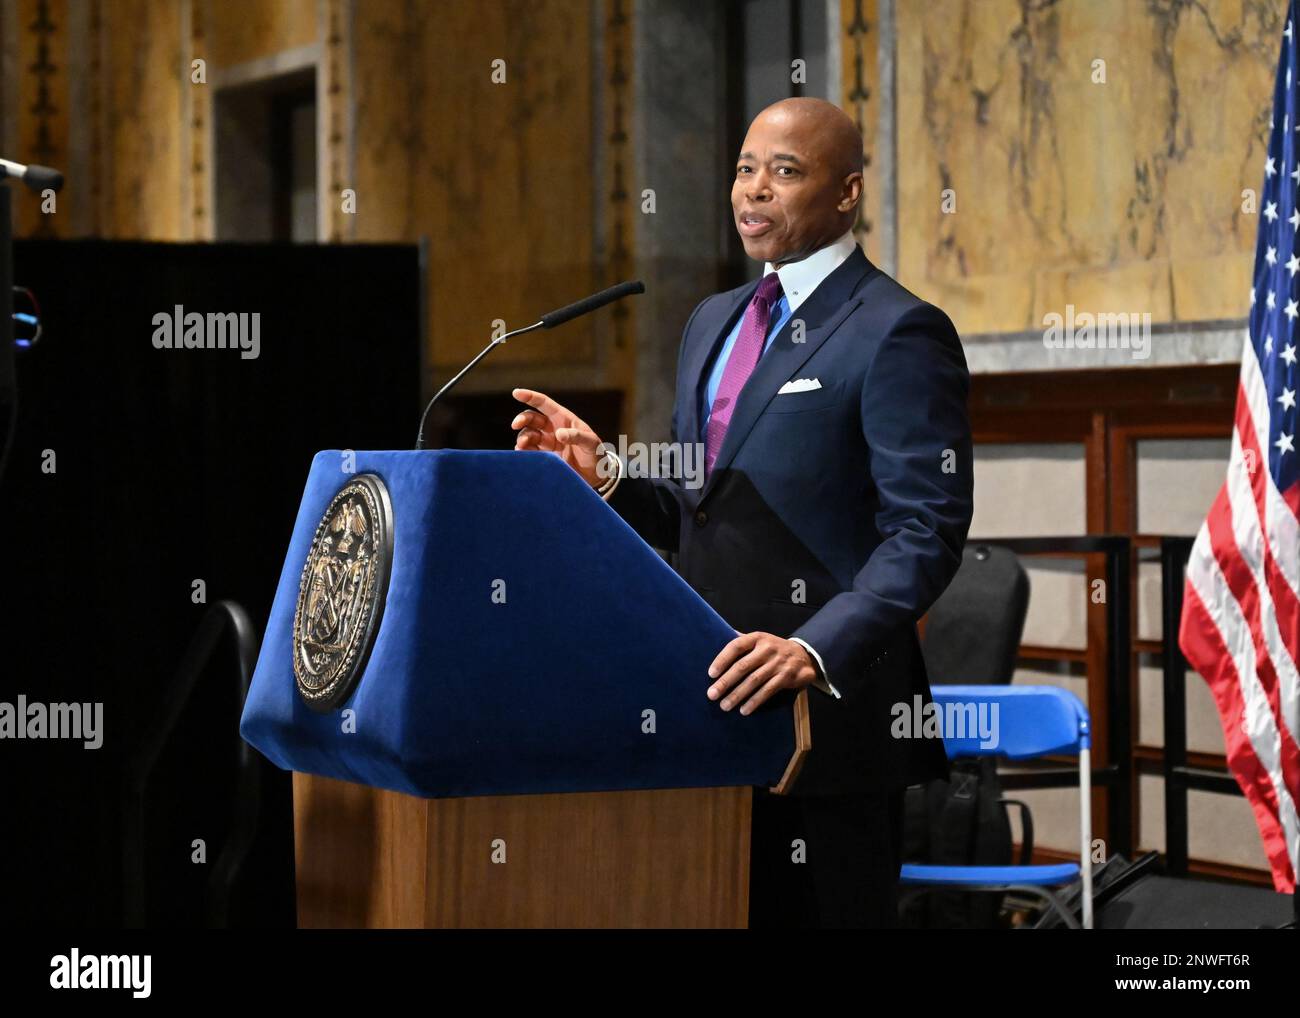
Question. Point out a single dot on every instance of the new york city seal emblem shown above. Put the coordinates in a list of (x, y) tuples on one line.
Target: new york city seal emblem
[(341, 595)]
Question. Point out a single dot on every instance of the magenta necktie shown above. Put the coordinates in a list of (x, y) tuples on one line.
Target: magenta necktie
[(740, 365)]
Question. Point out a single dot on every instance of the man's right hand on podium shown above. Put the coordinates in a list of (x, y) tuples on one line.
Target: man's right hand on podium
[(552, 428)]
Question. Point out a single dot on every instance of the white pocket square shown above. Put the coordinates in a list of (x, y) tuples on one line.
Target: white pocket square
[(799, 385)]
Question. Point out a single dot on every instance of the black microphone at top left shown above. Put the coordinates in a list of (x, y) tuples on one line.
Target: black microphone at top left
[(37, 178)]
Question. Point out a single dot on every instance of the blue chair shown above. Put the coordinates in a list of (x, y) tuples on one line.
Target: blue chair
[(1020, 723)]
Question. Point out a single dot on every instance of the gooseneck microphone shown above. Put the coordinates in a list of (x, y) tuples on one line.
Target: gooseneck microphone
[(547, 321)]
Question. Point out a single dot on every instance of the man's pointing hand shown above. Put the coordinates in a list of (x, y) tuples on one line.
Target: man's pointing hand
[(552, 428)]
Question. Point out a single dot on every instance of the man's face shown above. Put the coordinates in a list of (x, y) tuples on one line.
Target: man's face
[(787, 195)]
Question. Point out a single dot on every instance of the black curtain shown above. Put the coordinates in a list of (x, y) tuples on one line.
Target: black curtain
[(170, 466)]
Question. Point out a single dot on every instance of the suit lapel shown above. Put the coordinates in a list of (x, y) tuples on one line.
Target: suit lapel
[(821, 314), (700, 355)]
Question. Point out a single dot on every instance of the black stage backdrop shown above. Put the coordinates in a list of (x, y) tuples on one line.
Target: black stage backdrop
[(170, 466)]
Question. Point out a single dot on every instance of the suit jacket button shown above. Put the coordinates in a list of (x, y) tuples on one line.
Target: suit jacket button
[(701, 518)]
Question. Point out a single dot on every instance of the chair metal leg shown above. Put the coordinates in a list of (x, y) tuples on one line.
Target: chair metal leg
[(1052, 899), (1085, 835), (1046, 893)]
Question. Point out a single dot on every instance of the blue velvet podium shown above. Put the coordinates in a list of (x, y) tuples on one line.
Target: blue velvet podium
[(534, 684)]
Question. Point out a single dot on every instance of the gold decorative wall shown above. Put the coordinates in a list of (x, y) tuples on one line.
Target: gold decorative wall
[(1115, 193), (242, 31), (861, 97), (141, 160), (40, 73), (616, 169), (475, 129)]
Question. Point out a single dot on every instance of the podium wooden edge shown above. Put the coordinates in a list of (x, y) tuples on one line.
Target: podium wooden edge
[(802, 745)]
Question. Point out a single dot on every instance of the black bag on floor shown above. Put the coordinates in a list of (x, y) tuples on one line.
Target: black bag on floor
[(1139, 896), (961, 822)]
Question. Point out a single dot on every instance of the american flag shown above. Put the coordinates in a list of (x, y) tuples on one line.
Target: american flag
[(1241, 614)]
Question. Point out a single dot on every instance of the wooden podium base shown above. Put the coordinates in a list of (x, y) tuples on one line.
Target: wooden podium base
[(664, 858)]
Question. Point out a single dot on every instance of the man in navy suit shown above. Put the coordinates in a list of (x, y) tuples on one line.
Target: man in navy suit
[(830, 405)]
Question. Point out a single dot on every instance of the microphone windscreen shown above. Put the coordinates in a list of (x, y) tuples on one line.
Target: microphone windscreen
[(38, 178), (596, 300)]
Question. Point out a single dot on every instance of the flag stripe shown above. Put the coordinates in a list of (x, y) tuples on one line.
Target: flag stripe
[(1235, 542), (1202, 642), (1276, 618), (1280, 522)]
